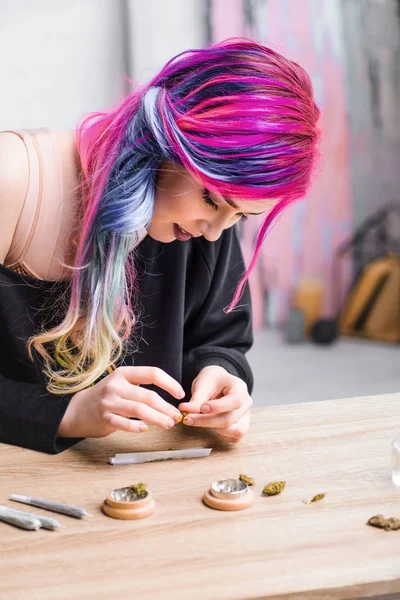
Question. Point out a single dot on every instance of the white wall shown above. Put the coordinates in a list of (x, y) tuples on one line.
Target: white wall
[(160, 29), (61, 59)]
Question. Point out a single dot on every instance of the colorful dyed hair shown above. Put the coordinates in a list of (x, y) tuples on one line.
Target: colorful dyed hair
[(239, 117)]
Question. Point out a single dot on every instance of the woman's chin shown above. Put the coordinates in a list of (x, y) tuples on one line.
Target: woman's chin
[(165, 239)]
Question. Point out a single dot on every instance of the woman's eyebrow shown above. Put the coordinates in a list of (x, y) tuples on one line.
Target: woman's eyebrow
[(232, 203)]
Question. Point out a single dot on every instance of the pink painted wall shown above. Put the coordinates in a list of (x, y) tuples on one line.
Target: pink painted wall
[(303, 241)]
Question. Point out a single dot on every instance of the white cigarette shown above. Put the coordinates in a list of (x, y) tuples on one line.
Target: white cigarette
[(141, 457), (65, 509), (21, 521), (46, 522)]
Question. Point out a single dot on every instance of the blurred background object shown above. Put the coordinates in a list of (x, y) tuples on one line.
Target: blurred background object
[(372, 306), (314, 276)]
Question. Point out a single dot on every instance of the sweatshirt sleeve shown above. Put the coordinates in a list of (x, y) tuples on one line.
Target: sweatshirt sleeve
[(213, 337), (30, 416)]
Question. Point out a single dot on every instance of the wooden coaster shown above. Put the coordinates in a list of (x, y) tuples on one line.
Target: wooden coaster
[(222, 504), (121, 509)]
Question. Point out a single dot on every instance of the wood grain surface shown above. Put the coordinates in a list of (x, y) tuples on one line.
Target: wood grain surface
[(280, 548)]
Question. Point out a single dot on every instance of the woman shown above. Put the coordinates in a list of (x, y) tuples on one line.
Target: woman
[(120, 257)]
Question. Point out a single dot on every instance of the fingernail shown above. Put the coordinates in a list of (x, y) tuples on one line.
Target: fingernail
[(205, 408), (188, 421), (181, 394), (143, 428), (178, 418)]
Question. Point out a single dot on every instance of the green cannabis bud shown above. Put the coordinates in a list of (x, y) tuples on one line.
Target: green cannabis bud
[(276, 487), (318, 497), (139, 489), (246, 479), (390, 524)]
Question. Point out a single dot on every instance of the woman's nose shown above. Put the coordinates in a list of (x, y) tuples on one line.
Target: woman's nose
[(212, 231)]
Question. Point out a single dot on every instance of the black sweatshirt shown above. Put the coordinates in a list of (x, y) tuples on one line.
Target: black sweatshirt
[(184, 287)]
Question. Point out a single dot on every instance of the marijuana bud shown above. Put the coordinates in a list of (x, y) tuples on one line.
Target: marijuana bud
[(139, 489), (276, 487), (317, 497), (390, 524), (246, 479)]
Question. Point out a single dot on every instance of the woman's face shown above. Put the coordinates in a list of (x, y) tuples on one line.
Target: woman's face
[(183, 203)]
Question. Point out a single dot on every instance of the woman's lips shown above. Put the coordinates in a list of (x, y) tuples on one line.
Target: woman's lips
[(181, 234)]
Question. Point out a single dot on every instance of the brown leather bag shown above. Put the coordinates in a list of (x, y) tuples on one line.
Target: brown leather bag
[(372, 307)]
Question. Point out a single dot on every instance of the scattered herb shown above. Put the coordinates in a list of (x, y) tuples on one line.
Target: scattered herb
[(390, 524), (246, 479), (139, 489), (318, 497), (276, 487)]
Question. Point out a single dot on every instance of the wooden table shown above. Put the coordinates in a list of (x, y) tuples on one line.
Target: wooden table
[(279, 548)]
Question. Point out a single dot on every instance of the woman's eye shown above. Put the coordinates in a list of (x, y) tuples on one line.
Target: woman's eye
[(207, 199)]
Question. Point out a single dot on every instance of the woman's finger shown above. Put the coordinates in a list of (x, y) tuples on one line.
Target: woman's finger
[(123, 424), (140, 410), (151, 375), (237, 431), (149, 398), (222, 420), (222, 405), (201, 396)]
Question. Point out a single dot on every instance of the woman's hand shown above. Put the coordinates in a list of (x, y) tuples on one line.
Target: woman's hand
[(219, 400), (106, 407)]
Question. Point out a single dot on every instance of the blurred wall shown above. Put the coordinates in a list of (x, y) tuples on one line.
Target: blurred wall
[(160, 29), (58, 60), (372, 50), (350, 48)]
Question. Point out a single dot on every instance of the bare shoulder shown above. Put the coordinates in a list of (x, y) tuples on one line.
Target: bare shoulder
[(14, 175)]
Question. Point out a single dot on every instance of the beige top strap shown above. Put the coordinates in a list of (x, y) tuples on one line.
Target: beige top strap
[(31, 208), (41, 237)]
